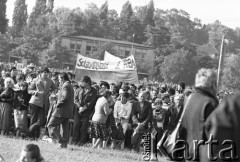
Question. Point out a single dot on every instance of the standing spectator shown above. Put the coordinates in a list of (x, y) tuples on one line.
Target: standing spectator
[(98, 126), (200, 105), (20, 104), (30, 78), (19, 79), (55, 78), (63, 112), (39, 103), (85, 99), (180, 87), (3, 76), (224, 125), (103, 86), (154, 94), (6, 101), (141, 116), (14, 73)]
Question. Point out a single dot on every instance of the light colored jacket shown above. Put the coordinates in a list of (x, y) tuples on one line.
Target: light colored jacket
[(41, 92)]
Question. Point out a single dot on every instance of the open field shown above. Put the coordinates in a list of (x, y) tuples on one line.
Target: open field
[(10, 149)]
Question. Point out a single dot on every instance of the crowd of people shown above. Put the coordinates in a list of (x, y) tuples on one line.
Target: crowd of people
[(55, 107)]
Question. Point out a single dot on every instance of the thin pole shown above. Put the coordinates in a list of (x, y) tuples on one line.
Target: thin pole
[(220, 64)]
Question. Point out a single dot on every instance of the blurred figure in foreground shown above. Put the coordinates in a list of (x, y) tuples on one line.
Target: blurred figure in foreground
[(224, 125), (30, 153), (199, 106)]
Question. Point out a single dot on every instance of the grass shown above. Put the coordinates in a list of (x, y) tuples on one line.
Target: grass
[(10, 149)]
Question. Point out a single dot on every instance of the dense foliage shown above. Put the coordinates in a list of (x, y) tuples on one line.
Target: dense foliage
[(181, 45)]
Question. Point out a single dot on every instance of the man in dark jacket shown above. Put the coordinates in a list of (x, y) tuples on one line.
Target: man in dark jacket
[(63, 111), (223, 125), (198, 108), (85, 99), (141, 117)]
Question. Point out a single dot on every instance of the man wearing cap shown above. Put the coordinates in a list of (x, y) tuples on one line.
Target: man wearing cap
[(40, 89)]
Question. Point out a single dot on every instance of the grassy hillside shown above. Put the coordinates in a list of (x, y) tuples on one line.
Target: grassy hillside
[(10, 149)]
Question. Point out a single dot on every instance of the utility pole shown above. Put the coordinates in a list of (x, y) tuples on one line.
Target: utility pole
[(221, 61)]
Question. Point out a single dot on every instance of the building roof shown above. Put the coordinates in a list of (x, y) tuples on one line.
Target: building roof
[(108, 40)]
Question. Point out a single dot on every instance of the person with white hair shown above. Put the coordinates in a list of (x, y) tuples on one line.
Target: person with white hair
[(141, 117), (6, 101), (199, 106)]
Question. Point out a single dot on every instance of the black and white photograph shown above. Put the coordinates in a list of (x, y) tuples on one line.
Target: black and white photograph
[(119, 80)]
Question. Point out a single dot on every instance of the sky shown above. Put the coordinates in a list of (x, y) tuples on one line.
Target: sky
[(226, 11)]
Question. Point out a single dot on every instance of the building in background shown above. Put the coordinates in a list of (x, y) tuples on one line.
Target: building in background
[(94, 48)]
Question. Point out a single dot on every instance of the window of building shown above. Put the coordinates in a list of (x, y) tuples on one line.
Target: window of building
[(72, 46), (137, 55), (88, 50), (143, 56), (94, 49), (78, 48), (127, 53)]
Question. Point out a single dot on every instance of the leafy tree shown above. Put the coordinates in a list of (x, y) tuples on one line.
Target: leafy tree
[(217, 30), (200, 33), (113, 25), (103, 16), (3, 19), (50, 6), (146, 14), (103, 11), (179, 66), (92, 21), (19, 20), (63, 21), (30, 48), (178, 22), (231, 73), (56, 55), (148, 19), (126, 14), (38, 10)]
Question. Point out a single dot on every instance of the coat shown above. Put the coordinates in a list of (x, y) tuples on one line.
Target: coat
[(224, 124), (143, 116), (87, 101), (199, 106), (21, 100), (65, 102), (41, 97), (7, 95)]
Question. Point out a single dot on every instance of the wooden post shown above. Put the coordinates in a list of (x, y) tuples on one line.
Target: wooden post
[(221, 61)]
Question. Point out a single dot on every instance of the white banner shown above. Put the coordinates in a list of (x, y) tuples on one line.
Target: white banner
[(113, 63)]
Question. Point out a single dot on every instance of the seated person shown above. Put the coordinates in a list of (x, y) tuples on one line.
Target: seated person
[(141, 117)]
